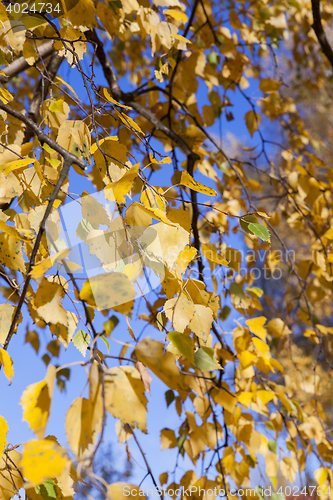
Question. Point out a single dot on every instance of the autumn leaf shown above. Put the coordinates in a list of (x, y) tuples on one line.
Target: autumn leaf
[(42, 459), (7, 364), (36, 402), (188, 181), (97, 291), (252, 120), (124, 396), (3, 434)]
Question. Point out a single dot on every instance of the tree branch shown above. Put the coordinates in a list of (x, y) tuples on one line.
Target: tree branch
[(43, 137), (41, 92), (320, 33), (20, 65), (128, 98), (62, 176)]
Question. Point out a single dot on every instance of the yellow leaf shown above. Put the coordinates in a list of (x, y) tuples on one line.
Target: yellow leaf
[(81, 436), (14, 165), (245, 398), (252, 121), (121, 188), (121, 491), (10, 475), (181, 217), (122, 431), (289, 468), (110, 99), (43, 459), (168, 439), (36, 402), (151, 354), (156, 213), (94, 147), (158, 162), (256, 326), (178, 15), (71, 34), (93, 211), (152, 199), (67, 85), (321, 475), (128, 122), (185, 257), (98, 291), (3, 434), (225, 399), (7, 363), (130, 330), (11, 254), (47, 302), (125, 396), (181, 38), (278, 328), (40, 269), (201, 322), (5, 95), (163, 478), (265, 396), (75, 137), (268, 85), (179, 311), (209, 251), (246, 358), (132, 271), (6, 316), (260, 345), (169, 242), (272, 465), (188, 181)]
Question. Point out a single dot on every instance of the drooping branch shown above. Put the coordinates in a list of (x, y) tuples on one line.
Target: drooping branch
[(42, 136), (62, 176), (129, 99), (41, 92), (20, 64), (69, 159), (320, 33)]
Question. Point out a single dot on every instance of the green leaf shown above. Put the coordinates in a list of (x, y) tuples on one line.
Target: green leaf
[(159, 321), (169, 397), (105, 342), (213, 58), (47, 490), (272, 446), (255, 290), (180, 441), (224, 313), (110, 324), (260, 230), (81, 341), (236, 289), (246, 220), (204, 359), (184, 343)]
